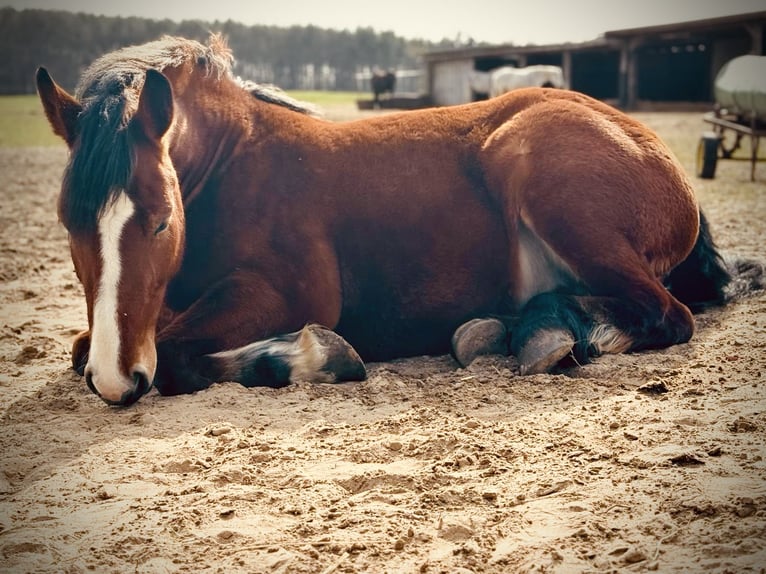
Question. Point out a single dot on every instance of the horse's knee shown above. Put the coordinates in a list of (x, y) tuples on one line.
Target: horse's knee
[(80, 351), (177, 372)]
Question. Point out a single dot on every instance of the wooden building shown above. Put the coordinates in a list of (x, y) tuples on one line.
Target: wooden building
[(673, 64)]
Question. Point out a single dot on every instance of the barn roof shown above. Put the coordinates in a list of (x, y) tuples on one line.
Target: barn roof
[(612, 38), (494, 49), (692, 25)]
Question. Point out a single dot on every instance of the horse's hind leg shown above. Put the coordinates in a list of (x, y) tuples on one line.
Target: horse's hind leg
[(616, 304), (589, 290), (602, 210), (554, 326)]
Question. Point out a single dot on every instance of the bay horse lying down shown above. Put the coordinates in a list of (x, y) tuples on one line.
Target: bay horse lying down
[(222, 232)]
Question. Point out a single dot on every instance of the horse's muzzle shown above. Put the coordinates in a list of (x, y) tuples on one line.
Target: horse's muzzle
[(141, 386)]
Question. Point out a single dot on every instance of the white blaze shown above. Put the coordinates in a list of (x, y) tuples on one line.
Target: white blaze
[(103, 360)]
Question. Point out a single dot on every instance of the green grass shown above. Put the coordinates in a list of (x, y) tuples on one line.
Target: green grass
[(326, 98), (23, 123)]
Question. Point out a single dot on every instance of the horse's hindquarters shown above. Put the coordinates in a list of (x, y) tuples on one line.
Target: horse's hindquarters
[(595, 186), (599, 205)]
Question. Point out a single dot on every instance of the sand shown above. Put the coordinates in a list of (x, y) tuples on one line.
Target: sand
[(637, 462)]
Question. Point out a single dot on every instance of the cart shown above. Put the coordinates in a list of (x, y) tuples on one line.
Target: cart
[(725, 139), (739, 112)]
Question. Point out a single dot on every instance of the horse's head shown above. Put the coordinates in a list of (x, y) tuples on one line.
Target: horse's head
[(121, 204)]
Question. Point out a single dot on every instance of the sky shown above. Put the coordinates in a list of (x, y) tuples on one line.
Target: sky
[(493, 21)]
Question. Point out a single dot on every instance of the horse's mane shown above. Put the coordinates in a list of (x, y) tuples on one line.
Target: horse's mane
[(275, 95), (108, 92)]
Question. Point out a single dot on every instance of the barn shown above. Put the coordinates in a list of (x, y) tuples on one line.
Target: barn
[(637, 68)]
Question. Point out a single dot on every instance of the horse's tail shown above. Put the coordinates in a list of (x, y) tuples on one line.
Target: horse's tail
[(700, 280)]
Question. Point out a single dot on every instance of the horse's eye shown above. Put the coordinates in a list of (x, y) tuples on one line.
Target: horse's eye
[(161, 227)]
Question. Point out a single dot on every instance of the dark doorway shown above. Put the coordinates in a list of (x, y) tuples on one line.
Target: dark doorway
[(674, 72), (489, 63), (596, 73), (544, 59)]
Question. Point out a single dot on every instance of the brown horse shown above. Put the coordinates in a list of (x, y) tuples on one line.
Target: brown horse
[(211, 221), (381, 83)]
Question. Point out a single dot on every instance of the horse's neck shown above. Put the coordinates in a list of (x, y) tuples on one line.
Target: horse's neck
[(202, 144), (197, 156)]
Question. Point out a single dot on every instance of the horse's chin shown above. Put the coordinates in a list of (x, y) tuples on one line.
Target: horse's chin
[(128, 399)]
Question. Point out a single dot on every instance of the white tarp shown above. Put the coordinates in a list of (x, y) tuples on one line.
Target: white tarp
[(740, 86)]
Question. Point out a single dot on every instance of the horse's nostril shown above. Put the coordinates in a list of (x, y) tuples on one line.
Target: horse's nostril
[(89, 381), (141, 381)]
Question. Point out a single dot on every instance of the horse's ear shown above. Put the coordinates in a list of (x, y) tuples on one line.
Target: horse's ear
[(60, 108), (155, 106)]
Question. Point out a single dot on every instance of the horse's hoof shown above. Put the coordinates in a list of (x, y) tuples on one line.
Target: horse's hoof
[(544, 350), (341, 361), (479, 337)]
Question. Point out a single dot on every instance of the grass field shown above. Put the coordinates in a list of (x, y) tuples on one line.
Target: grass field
[(23, 122), (327, 99)]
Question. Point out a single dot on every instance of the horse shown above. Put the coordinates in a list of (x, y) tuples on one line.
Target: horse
[(223, 231), (507, 78), (381, 83)]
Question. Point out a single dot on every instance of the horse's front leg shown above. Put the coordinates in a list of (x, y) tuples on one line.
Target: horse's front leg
[(80, 351), (221, 338)]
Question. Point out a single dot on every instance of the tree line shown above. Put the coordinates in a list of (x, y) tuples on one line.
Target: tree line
[(298, 57)]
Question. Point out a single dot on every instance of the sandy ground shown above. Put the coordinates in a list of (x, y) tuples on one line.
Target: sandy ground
[(650, 461)]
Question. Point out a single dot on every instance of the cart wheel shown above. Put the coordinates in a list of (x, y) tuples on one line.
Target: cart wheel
[(707, 155)]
